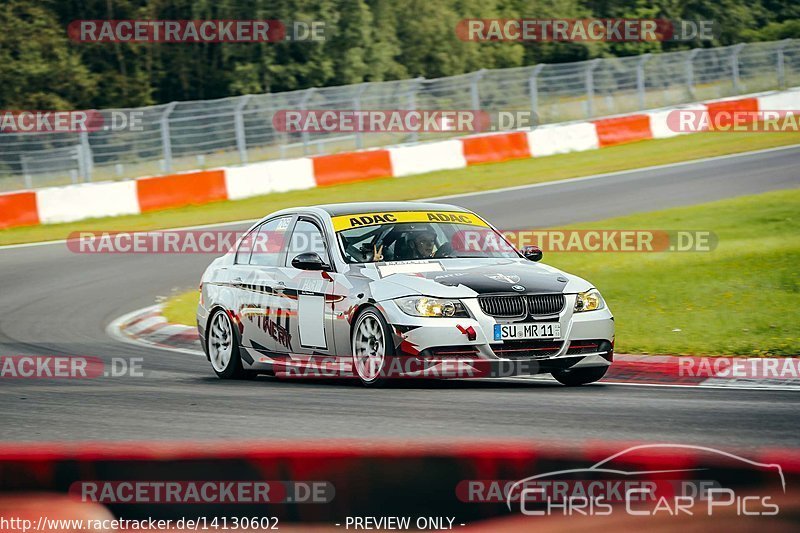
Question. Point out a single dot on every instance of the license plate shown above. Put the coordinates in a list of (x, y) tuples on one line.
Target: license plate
[(540, 330)]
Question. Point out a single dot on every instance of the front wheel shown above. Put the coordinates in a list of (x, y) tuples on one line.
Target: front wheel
[(372, 346), (223, 349), (580, 376)]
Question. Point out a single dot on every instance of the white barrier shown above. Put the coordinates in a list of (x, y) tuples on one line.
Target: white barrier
[(783, 101), (87, 200), (427, 157), (562, 138), (659, 119), (270, 176)]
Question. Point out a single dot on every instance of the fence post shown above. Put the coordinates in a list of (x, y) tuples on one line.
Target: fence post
[(737, 85), (357, 108), (593, 64), (690, 71), (26, 175), (781, 63), (238, 124), (411, 94), (533, 87), (640, 79), (81, 160), (166, 143), (473, 89), (88, 163), (303, 104)]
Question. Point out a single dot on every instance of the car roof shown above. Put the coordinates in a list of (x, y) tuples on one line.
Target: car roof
[(372, 207)]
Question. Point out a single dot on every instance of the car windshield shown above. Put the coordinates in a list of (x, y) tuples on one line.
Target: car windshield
[(407, 241)]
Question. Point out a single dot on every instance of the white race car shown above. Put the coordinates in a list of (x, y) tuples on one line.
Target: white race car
[(396, 290)]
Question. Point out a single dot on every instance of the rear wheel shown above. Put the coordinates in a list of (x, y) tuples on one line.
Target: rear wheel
[(372, 346), (223, 348), (580, 376)]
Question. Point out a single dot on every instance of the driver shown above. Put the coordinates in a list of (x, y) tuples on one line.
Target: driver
[(423, 244)]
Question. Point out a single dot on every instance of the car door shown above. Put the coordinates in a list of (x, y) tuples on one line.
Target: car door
[(259, 289), (306, 290)]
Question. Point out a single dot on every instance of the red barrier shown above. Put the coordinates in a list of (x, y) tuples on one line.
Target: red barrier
[(493, 148), (18, 209), (352, 166), (391, 478), (619, 130), (178, 190), (720, 113)]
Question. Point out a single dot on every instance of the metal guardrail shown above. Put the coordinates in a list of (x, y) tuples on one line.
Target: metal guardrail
[(202, 134)]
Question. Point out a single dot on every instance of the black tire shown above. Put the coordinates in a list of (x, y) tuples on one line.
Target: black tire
[(232, 367), (580, 376), (364, 374)]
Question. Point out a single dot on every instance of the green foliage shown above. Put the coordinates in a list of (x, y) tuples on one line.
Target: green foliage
[(366, 40), (40, 70)]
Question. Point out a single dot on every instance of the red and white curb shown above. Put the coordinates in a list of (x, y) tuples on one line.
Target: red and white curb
[(148, 327)]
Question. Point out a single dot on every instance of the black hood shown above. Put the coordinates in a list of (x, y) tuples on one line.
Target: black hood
[(513, 278)]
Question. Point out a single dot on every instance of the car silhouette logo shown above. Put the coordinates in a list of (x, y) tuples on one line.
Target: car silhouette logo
[(504, 278), (518, 288)]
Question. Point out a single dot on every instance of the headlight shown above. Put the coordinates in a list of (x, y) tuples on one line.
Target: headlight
[(428, 306), (589, 301)]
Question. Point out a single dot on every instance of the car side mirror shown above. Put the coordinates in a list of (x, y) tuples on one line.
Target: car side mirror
[(309, 261), (532, 253)]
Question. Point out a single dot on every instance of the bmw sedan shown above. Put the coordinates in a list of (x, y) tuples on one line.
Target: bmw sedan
[(381, 291)]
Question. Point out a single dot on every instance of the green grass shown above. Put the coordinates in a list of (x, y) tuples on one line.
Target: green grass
[(740, 299), (476, 178), (181, 308)]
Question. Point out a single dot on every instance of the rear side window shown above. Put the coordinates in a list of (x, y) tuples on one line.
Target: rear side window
[(263, 245)]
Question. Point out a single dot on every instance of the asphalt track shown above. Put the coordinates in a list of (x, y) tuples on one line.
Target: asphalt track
[(53, 301)]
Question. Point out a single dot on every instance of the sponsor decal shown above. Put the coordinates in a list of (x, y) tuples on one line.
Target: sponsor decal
[(503, 278), (409, 267), (469, 331), (344, 222)]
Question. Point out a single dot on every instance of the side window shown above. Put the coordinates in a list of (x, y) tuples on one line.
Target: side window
[(245, 248), (269, 241), (307, 237)]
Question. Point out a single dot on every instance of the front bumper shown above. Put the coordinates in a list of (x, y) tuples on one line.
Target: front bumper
[(455, 347)]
